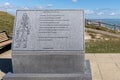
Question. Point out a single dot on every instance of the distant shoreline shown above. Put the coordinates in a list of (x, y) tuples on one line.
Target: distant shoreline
[(109, 21)]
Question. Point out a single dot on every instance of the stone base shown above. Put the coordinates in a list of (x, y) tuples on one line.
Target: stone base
[(46, 77), (73, 76), (45, 62)]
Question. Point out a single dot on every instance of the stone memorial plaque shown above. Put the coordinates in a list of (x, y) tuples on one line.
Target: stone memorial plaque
[(49, 45), (44, 30)]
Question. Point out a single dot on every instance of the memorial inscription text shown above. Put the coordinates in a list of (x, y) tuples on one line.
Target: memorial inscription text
[(49, 30)]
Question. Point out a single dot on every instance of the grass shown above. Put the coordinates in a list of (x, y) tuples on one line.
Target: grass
[(102, 28), (6, 22), (110, 46), (106, 44)]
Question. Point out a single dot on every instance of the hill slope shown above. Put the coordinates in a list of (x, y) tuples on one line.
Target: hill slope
[(6, 22)]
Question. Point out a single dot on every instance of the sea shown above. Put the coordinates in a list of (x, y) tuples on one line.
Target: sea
[(110, 21)]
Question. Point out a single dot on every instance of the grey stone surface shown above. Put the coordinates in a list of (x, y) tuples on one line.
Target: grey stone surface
[(49, 30), (73, 76), (52, 43), (48, 52), (49, 45), (53, 63), (44, 77)]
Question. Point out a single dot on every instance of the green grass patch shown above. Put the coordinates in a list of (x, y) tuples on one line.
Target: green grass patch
[(6, 22), (102, 28), (103, 46)]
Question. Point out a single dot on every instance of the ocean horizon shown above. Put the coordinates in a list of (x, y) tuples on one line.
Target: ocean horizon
[(109, 21)]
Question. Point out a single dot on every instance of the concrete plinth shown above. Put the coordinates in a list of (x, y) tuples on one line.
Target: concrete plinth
[(50, 62), (71, 76)]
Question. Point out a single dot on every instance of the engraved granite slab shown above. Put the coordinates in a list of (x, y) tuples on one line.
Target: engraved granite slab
[(52, 30)]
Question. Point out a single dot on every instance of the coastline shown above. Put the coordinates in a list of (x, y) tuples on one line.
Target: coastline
[(109, 21)]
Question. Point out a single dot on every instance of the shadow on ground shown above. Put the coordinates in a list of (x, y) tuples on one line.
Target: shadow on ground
[(88, 66), (6, 65), (6, 48)]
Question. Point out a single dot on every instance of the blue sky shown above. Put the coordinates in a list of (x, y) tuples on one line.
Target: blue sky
[(93, 8)]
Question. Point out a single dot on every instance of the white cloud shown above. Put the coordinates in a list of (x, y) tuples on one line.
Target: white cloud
[(112, 14), (40, 7), (107, 11), (74, 0), (89, 11), (100, 13), (8, 7), (49, 5), (6, 4), (26, 8), (37, 7)]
